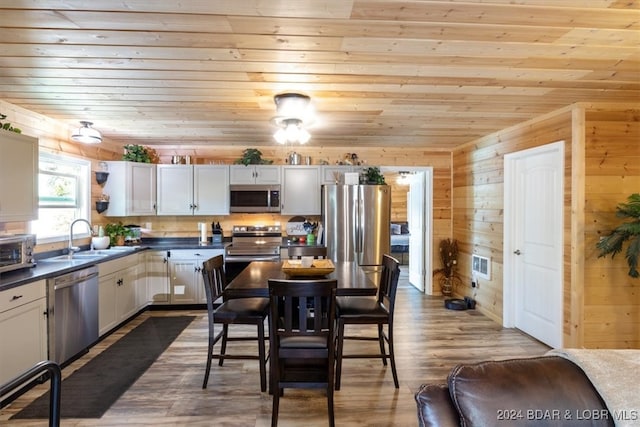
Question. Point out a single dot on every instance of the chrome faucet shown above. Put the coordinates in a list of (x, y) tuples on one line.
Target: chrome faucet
[(72, 248)]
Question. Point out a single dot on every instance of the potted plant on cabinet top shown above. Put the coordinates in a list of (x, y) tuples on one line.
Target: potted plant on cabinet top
[(372, 175), (252, 156), (627, 231), (139, 154)]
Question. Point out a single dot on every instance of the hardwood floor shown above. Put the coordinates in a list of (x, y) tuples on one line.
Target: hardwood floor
[(430, 340)]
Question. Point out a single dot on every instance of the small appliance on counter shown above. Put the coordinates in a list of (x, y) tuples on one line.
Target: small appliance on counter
[(135, 236), (216, 232), (16, 251)]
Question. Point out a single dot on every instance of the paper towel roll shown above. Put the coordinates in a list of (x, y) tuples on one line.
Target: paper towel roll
[(203, 231)]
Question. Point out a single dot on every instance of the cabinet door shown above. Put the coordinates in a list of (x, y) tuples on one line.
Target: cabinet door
[(334, 174), (23, 338), (107, 296), (211, 189), (267, 174), (175, 190), (183, 281), (18, 166), (301, 190), (241, 174), (157, 277), (126, 293), (131, 187), (142, 184)]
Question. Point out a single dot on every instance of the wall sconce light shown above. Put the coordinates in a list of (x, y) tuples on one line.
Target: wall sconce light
[(86, 134)]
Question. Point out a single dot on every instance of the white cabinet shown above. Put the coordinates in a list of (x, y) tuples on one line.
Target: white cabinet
[(193, 190), (185, 267), (23, 329), (334, 174), (18, 177), (254, 174), (157, 268), (117, 292), (131, 188), (300, 190)]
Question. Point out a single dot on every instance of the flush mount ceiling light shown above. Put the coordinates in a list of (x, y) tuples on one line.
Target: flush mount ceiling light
[(293, 115), (86, 134)]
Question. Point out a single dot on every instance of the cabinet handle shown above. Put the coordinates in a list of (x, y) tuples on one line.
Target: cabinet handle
[(120, 282), (15, 297)]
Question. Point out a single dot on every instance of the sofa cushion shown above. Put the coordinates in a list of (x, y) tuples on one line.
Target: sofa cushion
[(542, 391), (434, 406)]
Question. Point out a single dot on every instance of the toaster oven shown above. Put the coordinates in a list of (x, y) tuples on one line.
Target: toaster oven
[(16, 252)]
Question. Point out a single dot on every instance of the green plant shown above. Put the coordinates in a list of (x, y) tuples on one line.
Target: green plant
[(252, 156), (627, 231), (7, 125), (138, 153), (374, 176), (115, 229)]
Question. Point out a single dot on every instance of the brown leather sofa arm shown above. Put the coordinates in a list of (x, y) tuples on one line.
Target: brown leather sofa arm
[(435, 408)]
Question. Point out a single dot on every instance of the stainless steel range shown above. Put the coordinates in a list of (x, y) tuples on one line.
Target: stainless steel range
[(251, 243)]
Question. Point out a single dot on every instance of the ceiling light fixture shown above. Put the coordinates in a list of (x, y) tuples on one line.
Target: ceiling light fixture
[(293, 115), (86, 134)]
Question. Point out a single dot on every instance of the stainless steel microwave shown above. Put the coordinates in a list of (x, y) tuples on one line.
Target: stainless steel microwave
[(254, 198), (16, 251)]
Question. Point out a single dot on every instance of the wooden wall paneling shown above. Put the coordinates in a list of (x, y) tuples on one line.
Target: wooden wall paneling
[(611, 299)]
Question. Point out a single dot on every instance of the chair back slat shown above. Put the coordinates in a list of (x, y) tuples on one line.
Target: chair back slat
[(297, 252), (214, 278), (388, 284)]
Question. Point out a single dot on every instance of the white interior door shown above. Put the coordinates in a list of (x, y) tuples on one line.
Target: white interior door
[(416, 220), (533, 242)]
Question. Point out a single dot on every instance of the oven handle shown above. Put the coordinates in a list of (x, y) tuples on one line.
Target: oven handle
[(230, 259)]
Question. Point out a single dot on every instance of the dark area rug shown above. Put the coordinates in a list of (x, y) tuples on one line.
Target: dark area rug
[(91, 390)]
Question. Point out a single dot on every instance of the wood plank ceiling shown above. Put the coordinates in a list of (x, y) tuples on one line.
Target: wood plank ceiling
[(420, 73)]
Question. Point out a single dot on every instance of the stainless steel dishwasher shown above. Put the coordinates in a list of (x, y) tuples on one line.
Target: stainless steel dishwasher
[(73, 313)]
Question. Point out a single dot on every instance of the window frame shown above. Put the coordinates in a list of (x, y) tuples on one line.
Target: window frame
[(83, 194)]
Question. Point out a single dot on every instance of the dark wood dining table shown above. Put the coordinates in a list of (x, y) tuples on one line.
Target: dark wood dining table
[(353, 279)]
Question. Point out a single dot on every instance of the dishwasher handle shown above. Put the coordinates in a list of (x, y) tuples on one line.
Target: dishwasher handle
[(66, 283)]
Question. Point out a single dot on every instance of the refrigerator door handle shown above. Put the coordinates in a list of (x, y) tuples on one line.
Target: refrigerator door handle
[(359, 227)]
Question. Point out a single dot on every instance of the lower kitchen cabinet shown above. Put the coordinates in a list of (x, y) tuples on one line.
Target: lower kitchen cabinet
[(185, 271), (157, 277), (23, 329), (117, 292)]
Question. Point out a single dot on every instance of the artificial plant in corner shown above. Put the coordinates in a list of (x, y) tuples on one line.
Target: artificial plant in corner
[(7, 125), (626, 232)]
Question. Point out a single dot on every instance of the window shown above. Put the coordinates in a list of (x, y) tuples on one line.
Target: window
[(64, 195)]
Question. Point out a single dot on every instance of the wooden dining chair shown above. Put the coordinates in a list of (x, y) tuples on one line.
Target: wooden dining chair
[(297, 252), (376, 310), (302, 338), (242, 311)]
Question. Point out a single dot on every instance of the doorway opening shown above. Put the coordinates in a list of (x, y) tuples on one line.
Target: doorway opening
[(411, 219)]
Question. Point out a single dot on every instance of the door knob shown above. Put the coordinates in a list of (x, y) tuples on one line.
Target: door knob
[(517, 252)]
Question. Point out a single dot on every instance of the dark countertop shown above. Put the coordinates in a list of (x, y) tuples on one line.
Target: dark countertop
[(47, 270)]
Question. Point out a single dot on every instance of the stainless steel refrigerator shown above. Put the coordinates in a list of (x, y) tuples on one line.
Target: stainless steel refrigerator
[(356, 222)]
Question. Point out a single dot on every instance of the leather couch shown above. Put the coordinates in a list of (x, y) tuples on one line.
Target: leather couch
[(540, 391)]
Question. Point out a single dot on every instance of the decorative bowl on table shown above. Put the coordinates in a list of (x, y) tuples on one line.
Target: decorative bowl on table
[(319, 267)]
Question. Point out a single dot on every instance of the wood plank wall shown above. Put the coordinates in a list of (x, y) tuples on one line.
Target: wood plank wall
[(601, 144), (54, 136), (612, 172)]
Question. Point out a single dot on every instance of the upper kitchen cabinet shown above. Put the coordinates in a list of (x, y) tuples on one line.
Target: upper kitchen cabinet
[(255, 174), (131, 187), (18, 166), (334, 174), (300, 190), (193, 190)]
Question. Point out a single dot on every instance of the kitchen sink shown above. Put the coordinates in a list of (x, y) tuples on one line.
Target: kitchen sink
[(90, 255), (76, 257)]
